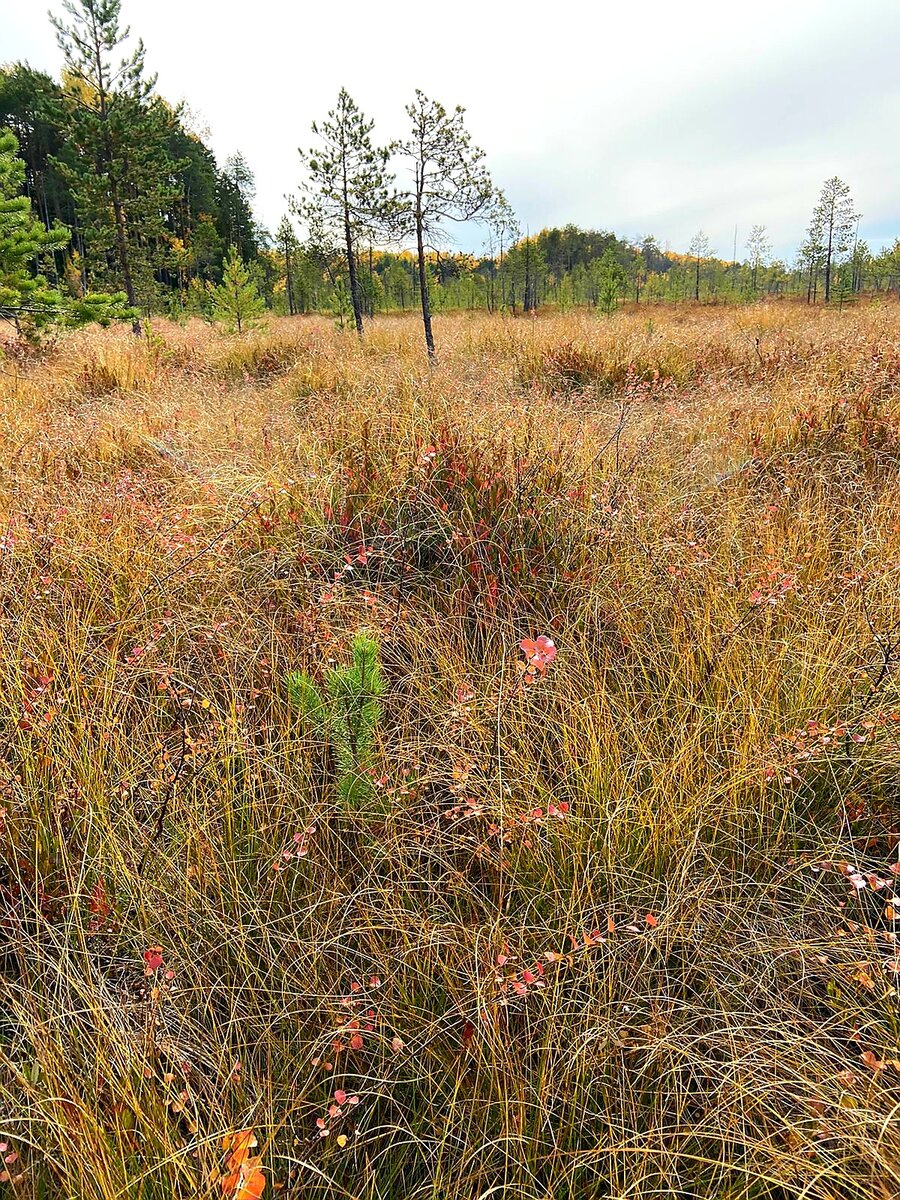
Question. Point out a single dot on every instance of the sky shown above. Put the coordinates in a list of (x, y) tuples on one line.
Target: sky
[(643, 117)]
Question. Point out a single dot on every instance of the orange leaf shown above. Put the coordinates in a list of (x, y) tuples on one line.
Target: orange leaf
[(247, 1183), (245, 1179), (239, 1144)]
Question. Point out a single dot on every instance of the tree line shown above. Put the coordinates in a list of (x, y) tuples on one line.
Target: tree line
[(113, 204)]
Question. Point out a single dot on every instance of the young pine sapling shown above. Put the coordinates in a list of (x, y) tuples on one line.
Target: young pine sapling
[(346, 713)]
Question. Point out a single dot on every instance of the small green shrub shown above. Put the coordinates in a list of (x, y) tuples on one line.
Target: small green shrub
[(347, 714)]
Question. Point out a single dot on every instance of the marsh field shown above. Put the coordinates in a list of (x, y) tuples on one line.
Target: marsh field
[(453, 782)]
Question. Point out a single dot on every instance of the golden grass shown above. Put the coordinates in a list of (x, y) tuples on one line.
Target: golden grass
[(653, 991)]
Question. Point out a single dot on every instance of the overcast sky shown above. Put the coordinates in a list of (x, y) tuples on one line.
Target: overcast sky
[(643, 117)]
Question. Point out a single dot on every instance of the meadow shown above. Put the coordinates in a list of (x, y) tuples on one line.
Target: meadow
[(607, 907)]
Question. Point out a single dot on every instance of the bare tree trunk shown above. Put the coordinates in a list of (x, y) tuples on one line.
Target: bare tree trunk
[(354, 280), (423, 287), (124, 263), (289, 280), (526, 297)]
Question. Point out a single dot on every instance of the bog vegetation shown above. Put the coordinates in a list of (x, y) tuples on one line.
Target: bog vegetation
[(442, 781)]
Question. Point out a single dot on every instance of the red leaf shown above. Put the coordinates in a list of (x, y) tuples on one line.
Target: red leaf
[(153, 957)]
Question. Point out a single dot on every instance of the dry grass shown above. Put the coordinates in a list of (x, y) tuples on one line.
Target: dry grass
[(701, 509)]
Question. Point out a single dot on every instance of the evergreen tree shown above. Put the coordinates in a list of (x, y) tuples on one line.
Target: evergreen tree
[(236, 301), (27, 301), (635, 271), (289, 249), (450, 183), (811, 256), (861, 264), (524, 273), (759, 249), (31, 107), (192, 216), (348, 191), (835, 219), (699, 250), (189, 220), (236, 192), (503, 233), (347, 713), (654, 259), (609, 278), (340, 303), (122, 174), (892, 257)]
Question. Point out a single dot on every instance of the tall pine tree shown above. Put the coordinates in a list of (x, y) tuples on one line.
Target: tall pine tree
[(236, 191), (835, 218), (450, 183), (289, 249), (348, 190), (122, 175)]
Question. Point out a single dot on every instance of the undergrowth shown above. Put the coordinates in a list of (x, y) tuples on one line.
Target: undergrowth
[(458, 782)]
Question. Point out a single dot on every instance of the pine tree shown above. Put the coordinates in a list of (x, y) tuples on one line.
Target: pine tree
[(811, 255), (289, 248), (699, 249), (27, 300), (236, 301), (524, 273), (236, 191), (24, 298), (348, 193), (836, 219), (30, 106), (503, 232), (450, 183), (122, 174), (759, 248), (608, 277)]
